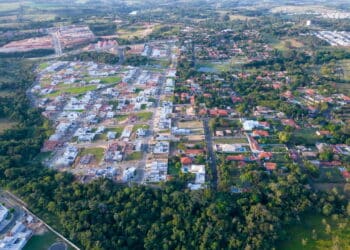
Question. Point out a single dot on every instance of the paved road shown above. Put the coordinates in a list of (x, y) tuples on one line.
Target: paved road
[(57, 44), (211, 154), (18, 212)]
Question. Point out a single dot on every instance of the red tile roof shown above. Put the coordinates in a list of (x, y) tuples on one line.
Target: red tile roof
[(331, 163), (236, 99), (186, 160), (235, 158), (218, 112), (257, 133), (289, 122), (194, 151), (270, 166), (203, 112), (265, 155), (346, 174)]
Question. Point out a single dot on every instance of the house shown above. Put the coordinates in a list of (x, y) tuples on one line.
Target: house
[(68, 157), (342, 149), (290, 122), (219, 133), (253, 144), (260, 133), (203, 112), (229, 148), (185, 161), (265, 155), (236, 158), (346, 174), (86, 159), (270, 166), (199, 171), (156, 171), (50, 145), (127, 132), (17, 237), (3, 213), (218, 112), (249, 125), (161, 147), (194, 152), (129, 174), (141, 132), (180, 131), (111, 135)]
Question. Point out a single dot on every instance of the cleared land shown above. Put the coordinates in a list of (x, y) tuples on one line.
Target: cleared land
[(346, 68), (6, 124), (96, 152), (287, 44), (73, 90), (139, 31), (303, 237)]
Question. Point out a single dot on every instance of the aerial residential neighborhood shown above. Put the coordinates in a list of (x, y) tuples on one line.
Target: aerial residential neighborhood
[(174, 124)]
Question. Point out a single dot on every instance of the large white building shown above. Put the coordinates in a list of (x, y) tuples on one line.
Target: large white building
[(18, 237), (3, 213)]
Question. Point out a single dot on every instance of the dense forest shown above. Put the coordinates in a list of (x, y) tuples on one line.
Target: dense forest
[(104, 215)]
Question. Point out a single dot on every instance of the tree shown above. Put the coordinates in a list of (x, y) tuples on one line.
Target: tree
[(284, 137)]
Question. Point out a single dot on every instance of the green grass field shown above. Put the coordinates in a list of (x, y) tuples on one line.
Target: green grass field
[(120, 118), (97, 152), (43, 65), (72, 90), (286, 44), (111, 79), (137, 126), (41, 242), (313, 234), (135, 156), (144, 116)]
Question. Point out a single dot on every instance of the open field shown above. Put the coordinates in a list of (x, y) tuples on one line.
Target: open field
[(220, 66), (190, 124), (303, 237), (286, 44), (137, 126), (144, 116), (300, 9), (6, 124), (41, 242), (139, 31), (241, 17), (96, 152), (134, 156), (111, 79), (73, 90), (346, 68)]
